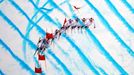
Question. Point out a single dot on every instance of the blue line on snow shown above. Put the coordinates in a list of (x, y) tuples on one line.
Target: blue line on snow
[(60, 62), (24, 48), (102, 71), (52, 3), (83, 57), (14, 26), (19, 9), (104, 52), (116, 12), (29, 41), (67, 55), (53, 64), (106, 24), (21, 62), (1, 73), (45, 15), (125, 2)]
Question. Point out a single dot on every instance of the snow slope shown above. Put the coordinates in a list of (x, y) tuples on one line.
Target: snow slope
[(106, 50)]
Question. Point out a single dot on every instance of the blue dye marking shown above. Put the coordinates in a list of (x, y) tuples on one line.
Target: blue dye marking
[(32, 45), (45, 15), (1, 1), (128, 5), (52, 3), (83, 57), (116, 12), (105, 53), (106, 24), (102, 71), (60, 62), (1, 73), (10, 23), (21, 62), (55, 66)]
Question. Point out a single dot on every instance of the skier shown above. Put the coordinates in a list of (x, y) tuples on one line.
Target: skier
[(84, 20), (41, 45), (74, 24), (57, 34), (89, 22), (64, 27), (69, 23)]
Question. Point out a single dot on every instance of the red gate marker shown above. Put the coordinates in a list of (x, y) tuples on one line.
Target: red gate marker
[(64, 22), (41, 57), (49, 36), (38, 70)]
